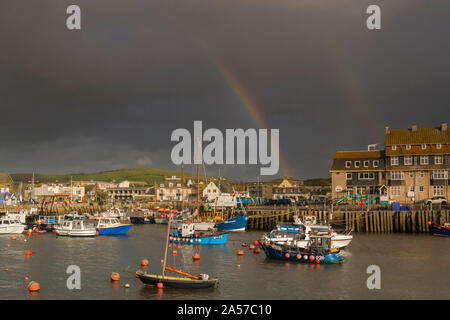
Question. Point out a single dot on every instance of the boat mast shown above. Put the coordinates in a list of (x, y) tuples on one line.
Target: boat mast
[(182, 187), (198, 182), (167, 245)]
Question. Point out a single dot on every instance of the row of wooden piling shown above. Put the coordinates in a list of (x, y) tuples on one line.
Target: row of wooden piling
[(381, 221)]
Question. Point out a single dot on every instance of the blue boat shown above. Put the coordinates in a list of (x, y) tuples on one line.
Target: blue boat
[(235, 224), (188, 236), (111, 226), (318, 251), (439, 230)]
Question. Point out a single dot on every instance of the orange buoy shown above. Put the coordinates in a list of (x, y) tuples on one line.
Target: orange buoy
[(175, 252), (6, 269), (251, 247), (196, 256), (36, 229), (115, 276), (162, 261), (26, 278), (144, 262), (160, 285), (256, 250), (34, 286), (240, 253), (29, 233), (8, 245), (238, 266), (13, 238), (28, 252)]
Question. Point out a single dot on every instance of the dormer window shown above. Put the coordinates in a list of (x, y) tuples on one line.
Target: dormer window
[(438, 146), (394, 148), (366, 164), (376, 163), (424, 146), (348, 164), (408, 147), (357, 164)]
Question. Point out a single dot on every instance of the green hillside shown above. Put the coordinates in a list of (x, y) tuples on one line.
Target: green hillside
[(147, 175)]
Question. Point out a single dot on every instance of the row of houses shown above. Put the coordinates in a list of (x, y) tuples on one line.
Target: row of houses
[(413, 166)]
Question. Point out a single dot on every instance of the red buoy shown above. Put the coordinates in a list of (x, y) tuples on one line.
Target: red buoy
[(311, 257), (160, 285), (144, 262), (115, 276), (317, 261), (256, 243), (256, 250), (28, 252), (299, 256), (287, 255)]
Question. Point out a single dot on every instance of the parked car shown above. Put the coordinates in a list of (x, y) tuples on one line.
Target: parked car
[(436, 200)]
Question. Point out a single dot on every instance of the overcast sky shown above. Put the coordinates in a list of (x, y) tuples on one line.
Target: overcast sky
[(108, 96)]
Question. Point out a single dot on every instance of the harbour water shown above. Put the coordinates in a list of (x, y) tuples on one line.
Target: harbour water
[(412, 267)]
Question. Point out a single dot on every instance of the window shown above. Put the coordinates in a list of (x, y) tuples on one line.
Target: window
[(366, 164), (408, 147), (396, 175), (376, 163), (421, 189), (424, 146), (348, 164), (421, 174), (360, 190), (366, 176), (349, 176), (438, 160), (394, 147), (424, 160), (394, 161), (395, 190), (408, 160), (440, 174), (438, 146), (411, 188), (438, 190), (411, 174), (357, 164)]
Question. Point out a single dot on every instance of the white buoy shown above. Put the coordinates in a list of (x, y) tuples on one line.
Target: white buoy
[(127, 285)]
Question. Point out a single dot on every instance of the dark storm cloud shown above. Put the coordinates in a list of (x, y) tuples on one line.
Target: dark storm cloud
[(109, 96)]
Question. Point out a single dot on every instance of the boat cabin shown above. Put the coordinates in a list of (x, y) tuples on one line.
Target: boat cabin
[(107, 222), (187, 229)]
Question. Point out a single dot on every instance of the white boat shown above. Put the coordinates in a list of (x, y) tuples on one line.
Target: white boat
[(311, 227), (204, 226), (76, 228), (10, 225)]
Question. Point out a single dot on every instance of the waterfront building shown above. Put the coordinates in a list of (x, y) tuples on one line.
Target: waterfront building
[(413, 166), (173, 189)]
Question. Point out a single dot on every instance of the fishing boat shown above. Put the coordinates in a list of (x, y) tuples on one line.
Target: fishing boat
[(142, 220), (188, 281), (111, 226), (234, 224), (10, 225), (76, 228), (439, 230), (318, 250), (188, 235)]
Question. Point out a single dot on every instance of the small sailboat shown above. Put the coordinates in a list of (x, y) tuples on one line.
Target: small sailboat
[(188, 281)]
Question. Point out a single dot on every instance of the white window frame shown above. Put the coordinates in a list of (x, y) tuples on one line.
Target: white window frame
[(421, 189), (366, 163), (441, 161), (347, 174), (438, 146), (438, 190), (395, 191), (376, 163), (408, 163), (357, 164), (366, 176), (422, 174), (396, 175), (423, 146), (348, 164), (394, 148), (394, 161), (422, 160), (411, 174), (408, 147), (439, 174)]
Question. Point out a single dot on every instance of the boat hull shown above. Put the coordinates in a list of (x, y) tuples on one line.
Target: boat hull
[(301, 256), (77, 233), (138, 220), (203, 240), (204, 226), (118, 230), (439, 230), (161, 220), (174, 282), (14, 229), (235, 224)]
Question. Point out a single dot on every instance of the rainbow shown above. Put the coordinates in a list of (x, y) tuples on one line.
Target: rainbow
[(252, 109)]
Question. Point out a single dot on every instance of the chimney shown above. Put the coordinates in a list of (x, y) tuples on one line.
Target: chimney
[(444, 126), (414, 127), (387, 130)]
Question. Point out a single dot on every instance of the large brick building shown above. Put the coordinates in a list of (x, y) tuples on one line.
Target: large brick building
[(413, 166)]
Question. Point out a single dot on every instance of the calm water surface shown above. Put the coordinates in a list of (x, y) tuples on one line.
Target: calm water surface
[(412, 267)]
